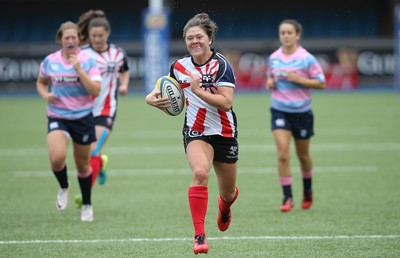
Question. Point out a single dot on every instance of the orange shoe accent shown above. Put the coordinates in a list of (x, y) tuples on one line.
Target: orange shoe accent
[(200, 244), (307, 201), (287, 205), (224, 219)]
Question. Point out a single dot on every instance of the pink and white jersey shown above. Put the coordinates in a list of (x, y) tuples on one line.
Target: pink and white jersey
[(201, 116), (289, 96), (72, 100), (111, 63)]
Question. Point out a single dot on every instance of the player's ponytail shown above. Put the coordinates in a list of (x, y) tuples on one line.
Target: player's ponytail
[(89, 19)]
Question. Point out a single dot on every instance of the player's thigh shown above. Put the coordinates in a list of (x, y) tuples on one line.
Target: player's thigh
[(57, 145), (282, 139), (200, 155)]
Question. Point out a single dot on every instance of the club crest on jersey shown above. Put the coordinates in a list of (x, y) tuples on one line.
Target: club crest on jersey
[(206, 80), (111, 67), (54, 67)]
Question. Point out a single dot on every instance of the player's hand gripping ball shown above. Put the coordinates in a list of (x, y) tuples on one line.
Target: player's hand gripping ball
[(170, 88)]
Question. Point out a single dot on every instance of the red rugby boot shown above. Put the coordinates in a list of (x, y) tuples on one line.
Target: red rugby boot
[(224, 219), (287, 204), (307, 200), (200, 244)]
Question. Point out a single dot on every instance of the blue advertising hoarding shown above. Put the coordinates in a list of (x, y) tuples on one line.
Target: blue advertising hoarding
[(397, 46), (156, 44)]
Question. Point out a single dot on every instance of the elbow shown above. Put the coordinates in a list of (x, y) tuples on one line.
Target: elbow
[(96, 90), (320, 85), (147, 99), (227, 107), (95, 93)]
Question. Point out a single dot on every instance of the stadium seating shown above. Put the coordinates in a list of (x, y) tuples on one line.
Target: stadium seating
[(249, 24)]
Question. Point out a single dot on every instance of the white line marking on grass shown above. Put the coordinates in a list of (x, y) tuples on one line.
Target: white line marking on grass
[(178, 149), (186, 171), (94, 241), (245, 132)]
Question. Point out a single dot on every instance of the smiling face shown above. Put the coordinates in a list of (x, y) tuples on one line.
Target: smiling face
[(198, 44), (98, 38), (288, 36)]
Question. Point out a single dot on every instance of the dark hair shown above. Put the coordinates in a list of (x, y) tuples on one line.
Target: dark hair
[(89, 19), (297, 26), (203, 21), (65, 26)]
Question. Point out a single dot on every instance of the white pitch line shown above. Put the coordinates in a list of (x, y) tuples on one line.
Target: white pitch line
[(245, 132), (94, 241), (176, 149), (186, 171)]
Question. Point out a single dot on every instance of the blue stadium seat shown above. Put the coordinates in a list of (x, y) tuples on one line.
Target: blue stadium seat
[(250, 24)]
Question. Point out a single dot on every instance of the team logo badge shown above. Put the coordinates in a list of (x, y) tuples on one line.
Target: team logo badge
[(280, 122), (53, 125), (85, 138), (194, 133), (111, 67), (206, 80), (109, 121), (233, 150)]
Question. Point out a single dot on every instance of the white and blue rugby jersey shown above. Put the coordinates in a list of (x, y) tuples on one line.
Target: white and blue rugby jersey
[(289, 96), (72, 100)]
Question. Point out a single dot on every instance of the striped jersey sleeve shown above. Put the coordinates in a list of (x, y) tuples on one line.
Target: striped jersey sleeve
[(289, 96), (72, 100)]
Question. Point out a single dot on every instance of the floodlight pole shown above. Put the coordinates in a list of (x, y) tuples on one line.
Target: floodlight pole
[(156, 42), (156, 4)]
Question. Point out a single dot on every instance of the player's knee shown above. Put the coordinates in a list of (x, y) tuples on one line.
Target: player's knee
[(200, 176), (304, 159), (283, 157), (57, 162)]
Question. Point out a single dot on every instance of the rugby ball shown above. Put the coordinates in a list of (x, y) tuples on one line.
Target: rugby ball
[(170, 88)]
